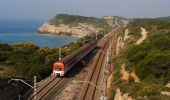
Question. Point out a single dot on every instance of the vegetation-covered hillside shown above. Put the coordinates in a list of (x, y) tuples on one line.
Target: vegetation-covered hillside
[(150, 60), (74, 20)]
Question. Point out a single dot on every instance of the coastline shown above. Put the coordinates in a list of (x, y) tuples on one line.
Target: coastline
[(80, 31), (61, 34), (41, 40)]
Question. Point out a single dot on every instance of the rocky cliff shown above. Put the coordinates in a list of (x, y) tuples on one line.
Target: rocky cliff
[(81, 30), (80, 26)]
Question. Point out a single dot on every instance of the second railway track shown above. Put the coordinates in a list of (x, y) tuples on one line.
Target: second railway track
[(89, 91), (45, 89)]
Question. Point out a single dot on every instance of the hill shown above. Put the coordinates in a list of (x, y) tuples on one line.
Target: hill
[(74, 25), (142, 69), (164, 18)]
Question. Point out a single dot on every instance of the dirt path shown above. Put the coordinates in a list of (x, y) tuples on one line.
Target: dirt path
[(144, 36)]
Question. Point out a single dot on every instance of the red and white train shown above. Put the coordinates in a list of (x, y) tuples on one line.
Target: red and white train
[(63, 66)]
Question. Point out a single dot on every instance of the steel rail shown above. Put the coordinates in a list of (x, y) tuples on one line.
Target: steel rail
[(89, 90), (43, 91)]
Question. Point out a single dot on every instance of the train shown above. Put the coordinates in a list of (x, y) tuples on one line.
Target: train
[(62, 67)]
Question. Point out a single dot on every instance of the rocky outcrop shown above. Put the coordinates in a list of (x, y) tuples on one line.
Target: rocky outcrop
[(120, 96), (127, 74), (81, 30), (165, 92)]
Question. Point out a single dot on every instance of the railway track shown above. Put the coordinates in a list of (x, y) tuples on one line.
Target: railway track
[(44, 89), (92, 90), (47, 91), (89, 92)]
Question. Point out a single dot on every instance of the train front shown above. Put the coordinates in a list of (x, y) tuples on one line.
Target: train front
[(58, 69)]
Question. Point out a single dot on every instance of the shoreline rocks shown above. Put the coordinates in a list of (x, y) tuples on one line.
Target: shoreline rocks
[(81, 30)]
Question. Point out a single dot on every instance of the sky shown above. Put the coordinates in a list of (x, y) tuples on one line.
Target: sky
[(46, 9)]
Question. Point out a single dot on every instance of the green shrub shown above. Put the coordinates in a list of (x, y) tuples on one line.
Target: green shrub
[(50, 59), (27, 47), (3, 57), (150, 60), (5, 47), (161, 42)]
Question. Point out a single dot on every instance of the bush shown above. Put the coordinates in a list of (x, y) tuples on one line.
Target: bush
[(24, 47), (5, 47), (156, 64), (150, 60), (3, 57), (138, 56), (50, 59), (161, 42), (45, 51)]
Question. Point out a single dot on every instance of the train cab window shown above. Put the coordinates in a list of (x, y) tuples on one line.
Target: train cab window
[(59, 68)]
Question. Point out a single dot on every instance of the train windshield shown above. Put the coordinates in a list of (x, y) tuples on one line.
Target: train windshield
[(59, 68)]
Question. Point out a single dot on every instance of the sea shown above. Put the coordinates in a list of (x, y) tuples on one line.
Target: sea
[(19, 31)]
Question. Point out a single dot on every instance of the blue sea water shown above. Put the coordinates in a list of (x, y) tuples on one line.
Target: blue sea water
[(18, 31)]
